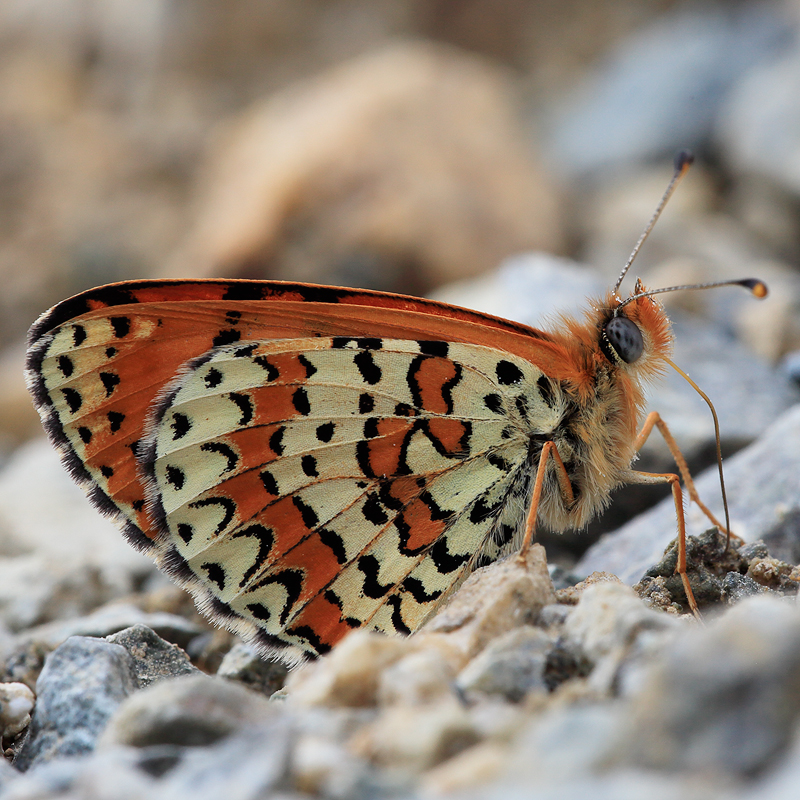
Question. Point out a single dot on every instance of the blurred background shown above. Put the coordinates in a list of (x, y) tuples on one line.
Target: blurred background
[(408, 145)]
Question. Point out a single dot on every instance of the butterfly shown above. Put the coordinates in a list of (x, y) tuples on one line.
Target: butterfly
[(306, 460)]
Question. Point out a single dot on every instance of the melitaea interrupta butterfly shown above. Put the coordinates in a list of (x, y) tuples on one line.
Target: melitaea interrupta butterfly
[(308, 459)]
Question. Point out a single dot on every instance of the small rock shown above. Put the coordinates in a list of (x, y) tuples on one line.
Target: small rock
[(16, 704), (511, 666), (26, 657), (474, 767), (492, 601), (753, 550), (82, 684), (708, 560), (349, 675), (243, 665), (571, 595), (416, 738), (153, 658), (774, 574), (736, 587), (606, 627), (192, 710), (419, 678), (321, 766)]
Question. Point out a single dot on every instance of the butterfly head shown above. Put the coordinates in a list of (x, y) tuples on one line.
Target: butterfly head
[(635, 332)]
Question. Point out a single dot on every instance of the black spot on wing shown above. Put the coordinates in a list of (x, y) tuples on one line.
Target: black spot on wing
[(121, 326), (325, 432), (73, 399), (181, 425), (215, 573), (366, 403), (546, 390), (416, 589), (273, 373), (370, 566), (230, 336), (270, 484), (292, 582), (175, 477), (311, 636), (508, 373), (373, 511), (369, 370), (245, 406), (276, 441), (398, 622), (335, 543), (212, 378), (265, 538), (225, 450), (307, 365), (440, 349), (65, 366), (494, 403), (445, 561), (110, 381), (308, 515), (309, 466), (225, 503), (115, 420), (185, 531), (301, 402)]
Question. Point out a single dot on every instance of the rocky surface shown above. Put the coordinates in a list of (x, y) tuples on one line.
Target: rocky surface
[(513, 688)]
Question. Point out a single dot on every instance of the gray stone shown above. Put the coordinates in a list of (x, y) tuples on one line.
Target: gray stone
[(663, 86), (723, 697), (154, 659), (763, 487), (247, 766), (758, 127), (82, 684), (510, 666), (8, 775), (244, 665), (736, 587), (25, 658), (192, 710)]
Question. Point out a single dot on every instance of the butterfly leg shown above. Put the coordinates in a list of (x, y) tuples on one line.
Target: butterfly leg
[(677, 495), (654, 421), (549, 451)]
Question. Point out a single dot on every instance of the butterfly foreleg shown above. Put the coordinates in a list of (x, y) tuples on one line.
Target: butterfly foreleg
[(549, 451)]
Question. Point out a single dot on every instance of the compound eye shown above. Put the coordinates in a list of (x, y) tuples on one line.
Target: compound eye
[(626, 339)]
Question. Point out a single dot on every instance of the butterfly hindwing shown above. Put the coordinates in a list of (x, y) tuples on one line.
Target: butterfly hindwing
[(315, 483)]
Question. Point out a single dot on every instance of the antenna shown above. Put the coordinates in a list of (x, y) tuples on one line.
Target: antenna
[(683, 160)]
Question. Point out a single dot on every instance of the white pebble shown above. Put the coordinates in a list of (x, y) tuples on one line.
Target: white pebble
[(16, 704)]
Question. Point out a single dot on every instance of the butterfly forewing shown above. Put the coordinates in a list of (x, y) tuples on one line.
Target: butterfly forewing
[(310, 483)]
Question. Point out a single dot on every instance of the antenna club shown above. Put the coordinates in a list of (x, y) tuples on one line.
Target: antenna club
[(683, 160), (757, 287)]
